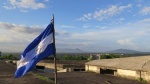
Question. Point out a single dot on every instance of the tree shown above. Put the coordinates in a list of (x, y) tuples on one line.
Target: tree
[(66, 57), (10, 57), (0, 53), (110, 56), (90, 58)]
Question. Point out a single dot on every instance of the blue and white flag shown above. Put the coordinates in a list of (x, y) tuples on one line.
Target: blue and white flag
[(40, 48)]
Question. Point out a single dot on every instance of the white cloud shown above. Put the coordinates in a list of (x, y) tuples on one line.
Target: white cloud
[(14, 41), (86, 26), (147, 20), (24, 4), (46, 0), (9, 7), (104, 14), (139, 5), (145, 11), (122, 19), (20, 28), (60, 33), (133, 36), (101, 27), (111, 11), (66, 26), (23, 11), (12, 33), (16, 37), (86, 17), (127, 41)]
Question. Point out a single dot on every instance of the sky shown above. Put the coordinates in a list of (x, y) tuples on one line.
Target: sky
[(90, 25)]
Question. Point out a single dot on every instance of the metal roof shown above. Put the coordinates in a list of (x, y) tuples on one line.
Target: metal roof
[(129, 63)]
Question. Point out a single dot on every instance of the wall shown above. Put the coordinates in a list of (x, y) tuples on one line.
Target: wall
[(127, 73), (145, 75), (49, 67), (92, 68), (130, 74)]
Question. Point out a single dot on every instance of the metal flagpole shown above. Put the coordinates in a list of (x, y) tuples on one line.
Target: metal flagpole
[(54, 51)]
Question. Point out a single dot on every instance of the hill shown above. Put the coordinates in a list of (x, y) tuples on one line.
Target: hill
[(123, 51)]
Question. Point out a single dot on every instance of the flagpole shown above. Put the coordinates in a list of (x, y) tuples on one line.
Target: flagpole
[(55, 65)]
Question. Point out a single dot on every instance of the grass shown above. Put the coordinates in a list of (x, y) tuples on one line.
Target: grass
[(142, 80), (44, 78)]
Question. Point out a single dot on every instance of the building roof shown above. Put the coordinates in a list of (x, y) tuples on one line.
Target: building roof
[(67, 63), (78, 62), (129, 63)]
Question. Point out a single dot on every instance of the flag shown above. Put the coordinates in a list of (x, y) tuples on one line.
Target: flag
[(40, 48)]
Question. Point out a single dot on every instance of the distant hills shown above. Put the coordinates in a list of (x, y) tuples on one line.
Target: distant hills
[(123, 51), (77, 50)]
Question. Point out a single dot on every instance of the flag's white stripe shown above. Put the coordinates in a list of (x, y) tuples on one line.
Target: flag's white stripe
[(37, 50)]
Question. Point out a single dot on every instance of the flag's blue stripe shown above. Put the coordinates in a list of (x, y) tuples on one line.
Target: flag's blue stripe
[(26, 68), (36, 41)]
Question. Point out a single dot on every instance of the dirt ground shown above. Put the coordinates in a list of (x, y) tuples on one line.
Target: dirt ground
[(7, 77), (89, 78)]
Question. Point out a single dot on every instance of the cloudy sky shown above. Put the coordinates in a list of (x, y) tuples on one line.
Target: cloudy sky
[(90, 25)]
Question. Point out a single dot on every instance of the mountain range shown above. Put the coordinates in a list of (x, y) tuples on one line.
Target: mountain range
[(123, 51), (77, 50)]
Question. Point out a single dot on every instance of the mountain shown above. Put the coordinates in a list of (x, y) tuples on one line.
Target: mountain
[(123, 51), (68, 50)]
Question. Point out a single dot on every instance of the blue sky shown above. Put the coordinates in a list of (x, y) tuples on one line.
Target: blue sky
[(89, 25)]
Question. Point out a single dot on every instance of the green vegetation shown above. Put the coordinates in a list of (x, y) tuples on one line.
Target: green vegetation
[(72, 58), (142, 80), (9, 56), (110, 56), (44, 78), (90, 58), (0, 53)]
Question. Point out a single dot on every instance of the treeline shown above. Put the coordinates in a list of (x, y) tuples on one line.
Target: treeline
[(0, 53), (72, 58), (68, 57), (8, 56), (88, 57), (110, 56)]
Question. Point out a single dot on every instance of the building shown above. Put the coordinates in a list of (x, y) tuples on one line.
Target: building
[(62, 66), (129, 67)]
